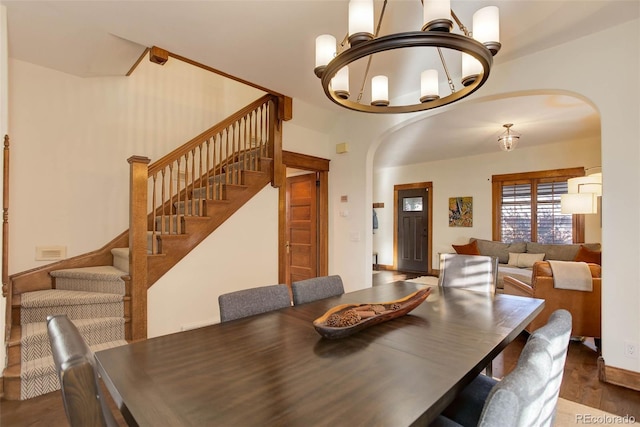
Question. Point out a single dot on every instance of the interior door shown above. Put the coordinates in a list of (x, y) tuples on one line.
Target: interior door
[(412, 214), (301, 227)]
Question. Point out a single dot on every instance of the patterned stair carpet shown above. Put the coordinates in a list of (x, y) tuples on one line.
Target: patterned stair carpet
[(92, 297)]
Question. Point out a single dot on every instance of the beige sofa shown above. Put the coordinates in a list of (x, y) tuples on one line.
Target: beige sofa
[(517, 259)]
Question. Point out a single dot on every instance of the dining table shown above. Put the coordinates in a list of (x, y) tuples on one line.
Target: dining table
[(275, 369)]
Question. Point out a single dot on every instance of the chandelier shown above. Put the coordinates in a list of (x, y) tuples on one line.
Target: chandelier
[(509, 139), (477, 48)]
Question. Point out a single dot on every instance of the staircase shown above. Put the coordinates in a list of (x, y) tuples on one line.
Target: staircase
[(97, 298), (102, 292)]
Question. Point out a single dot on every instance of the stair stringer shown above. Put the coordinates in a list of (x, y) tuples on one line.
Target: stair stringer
[(175, 247)]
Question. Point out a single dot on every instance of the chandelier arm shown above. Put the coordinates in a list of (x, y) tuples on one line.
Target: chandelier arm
[(464, 29), (446, 71), (402, 40)]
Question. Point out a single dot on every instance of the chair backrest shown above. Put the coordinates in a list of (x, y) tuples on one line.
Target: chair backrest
[(249, 302), (557, 333), (474, 272), (83, 401), (316, 288), (529, 394)]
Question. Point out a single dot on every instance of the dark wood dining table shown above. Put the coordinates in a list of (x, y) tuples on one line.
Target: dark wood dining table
[(274, 369)]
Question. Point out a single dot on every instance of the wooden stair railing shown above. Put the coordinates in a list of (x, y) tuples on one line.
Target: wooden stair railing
[(177, 185)]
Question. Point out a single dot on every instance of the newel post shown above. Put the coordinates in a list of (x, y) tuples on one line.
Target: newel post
[(138, 244), (275, 138)]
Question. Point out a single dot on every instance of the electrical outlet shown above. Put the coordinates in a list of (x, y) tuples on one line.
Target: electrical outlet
[(631, 349)]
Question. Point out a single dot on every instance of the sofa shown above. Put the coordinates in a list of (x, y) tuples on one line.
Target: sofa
[(584, 306), (517, 259)]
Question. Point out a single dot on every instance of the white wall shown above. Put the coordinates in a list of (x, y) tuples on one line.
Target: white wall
[(72, 137), (242, 253), (471, 176)]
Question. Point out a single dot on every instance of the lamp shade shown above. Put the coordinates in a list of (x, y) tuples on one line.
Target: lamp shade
[(325, 49), (340, 83), (436, 15), (429, 86), (578, 203), (586, 184), (486, 27), (380, 90), (360, 21), (471, 69)]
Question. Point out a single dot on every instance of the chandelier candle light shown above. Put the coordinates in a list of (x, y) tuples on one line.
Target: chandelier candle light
[(477, 49)]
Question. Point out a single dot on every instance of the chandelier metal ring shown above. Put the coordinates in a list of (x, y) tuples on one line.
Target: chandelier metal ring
[(403, 40)]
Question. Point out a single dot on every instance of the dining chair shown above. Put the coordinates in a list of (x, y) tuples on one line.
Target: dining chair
[(316, 288), (473, 272), (82, 396), (249, 302), (528, 395)]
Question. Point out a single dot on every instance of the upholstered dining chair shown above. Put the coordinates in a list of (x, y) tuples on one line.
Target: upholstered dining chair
[(249, 302), (528, 395), (316, 288), (477, 273), (474, 272), (82, 396)]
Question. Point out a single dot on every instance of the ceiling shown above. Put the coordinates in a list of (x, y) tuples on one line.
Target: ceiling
[(271, 43)]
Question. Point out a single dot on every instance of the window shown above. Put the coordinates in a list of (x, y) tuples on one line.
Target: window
[(527, 208)]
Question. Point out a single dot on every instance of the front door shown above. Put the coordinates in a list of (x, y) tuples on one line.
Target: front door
[(413, 230), (302, 227)]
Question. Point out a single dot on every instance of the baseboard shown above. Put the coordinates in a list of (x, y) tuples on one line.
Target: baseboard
[(618, 376), (1, 387), (385, 267)]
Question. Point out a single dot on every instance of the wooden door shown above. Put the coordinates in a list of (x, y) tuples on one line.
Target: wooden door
[(413, 231), (301, 227)]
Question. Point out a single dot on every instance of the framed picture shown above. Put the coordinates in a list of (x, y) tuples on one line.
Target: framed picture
[(460, 211)]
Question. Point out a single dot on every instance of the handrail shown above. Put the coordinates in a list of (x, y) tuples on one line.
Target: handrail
[(195, 142), (7, 290)]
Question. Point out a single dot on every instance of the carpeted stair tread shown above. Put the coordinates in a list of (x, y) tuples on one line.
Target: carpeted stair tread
[(121, 257), (39, 376), (36, 306), (35, 339), (101, 272), (103, 278), (57, 297)]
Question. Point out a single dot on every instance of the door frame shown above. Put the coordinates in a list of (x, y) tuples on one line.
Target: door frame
[(396, 189), (321, 167)]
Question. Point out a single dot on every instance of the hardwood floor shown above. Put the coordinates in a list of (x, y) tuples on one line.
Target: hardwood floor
[(580, 382)]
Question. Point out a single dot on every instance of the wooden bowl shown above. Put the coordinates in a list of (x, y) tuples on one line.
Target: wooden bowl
[(346, 319)]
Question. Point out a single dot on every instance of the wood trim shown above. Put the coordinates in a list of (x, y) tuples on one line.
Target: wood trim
[(321, 167), (158, 56), (552, 173), (396, 189), (378, 205), (618, 376), (135, 65), (223, 74), (305, 162)]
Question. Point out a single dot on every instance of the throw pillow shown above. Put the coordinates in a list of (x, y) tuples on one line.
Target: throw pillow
[(587, 255), (468, 249), (524, 260)]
